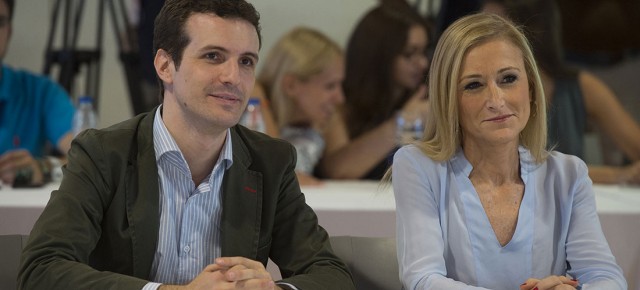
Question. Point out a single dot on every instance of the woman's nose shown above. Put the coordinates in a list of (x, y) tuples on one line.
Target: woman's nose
[(495, 96)]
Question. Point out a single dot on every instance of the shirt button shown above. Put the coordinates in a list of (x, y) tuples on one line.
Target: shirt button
[(187, 249)]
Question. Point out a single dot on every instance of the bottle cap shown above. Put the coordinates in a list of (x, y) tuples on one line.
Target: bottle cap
[(85, 99), (254, 101)]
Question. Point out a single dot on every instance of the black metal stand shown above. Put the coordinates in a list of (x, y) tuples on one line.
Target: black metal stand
[(71, 59)]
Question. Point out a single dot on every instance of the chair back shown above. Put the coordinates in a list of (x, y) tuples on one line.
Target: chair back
[(372, 260), (10, 250)]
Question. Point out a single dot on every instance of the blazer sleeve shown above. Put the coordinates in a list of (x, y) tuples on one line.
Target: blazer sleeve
[(58, 253)]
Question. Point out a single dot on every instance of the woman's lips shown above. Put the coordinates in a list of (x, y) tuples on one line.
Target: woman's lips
[(500, 118)]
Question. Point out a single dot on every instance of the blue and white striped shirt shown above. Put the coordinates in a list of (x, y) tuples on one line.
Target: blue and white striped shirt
[(189, 236)]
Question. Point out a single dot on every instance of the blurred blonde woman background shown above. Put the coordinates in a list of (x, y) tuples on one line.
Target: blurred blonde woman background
[(302, 78)]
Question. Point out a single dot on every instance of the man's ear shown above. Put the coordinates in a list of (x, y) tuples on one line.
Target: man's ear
[(164, 66)]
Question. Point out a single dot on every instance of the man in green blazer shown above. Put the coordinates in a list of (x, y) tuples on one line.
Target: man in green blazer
[(182, 197)]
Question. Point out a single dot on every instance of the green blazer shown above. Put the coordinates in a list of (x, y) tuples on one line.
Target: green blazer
[(100, 228)]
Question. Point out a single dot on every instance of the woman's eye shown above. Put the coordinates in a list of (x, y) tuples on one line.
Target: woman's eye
[(473, 85), (332, 86), (409, 54), (509, 79)]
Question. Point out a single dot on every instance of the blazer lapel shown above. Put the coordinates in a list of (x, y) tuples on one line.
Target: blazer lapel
[(143, 198), (241, 204)]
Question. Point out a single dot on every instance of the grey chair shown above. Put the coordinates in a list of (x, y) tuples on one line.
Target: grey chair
[(372, 261), (10, 249)]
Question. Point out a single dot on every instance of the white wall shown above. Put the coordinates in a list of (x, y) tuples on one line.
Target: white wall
[(32, 20)]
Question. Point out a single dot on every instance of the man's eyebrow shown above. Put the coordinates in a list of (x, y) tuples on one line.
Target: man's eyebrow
[(252, 55), (220, 48)]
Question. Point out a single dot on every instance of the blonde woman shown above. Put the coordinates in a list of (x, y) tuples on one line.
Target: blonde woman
[(302, 77), (481, 204)]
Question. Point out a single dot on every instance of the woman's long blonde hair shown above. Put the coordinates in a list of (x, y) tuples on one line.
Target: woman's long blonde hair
[(443, 133)]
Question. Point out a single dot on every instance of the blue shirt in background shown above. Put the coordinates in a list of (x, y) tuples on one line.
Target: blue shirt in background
[(34, 110)]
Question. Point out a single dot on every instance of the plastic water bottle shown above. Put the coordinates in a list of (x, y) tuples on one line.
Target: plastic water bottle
[(252, 116), (85, 116)]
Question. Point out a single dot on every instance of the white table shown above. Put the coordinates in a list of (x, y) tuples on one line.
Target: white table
[(21, 207), (367, 209), (360, 208)]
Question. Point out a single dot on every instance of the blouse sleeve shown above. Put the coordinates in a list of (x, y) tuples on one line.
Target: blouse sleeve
[(419, 234), (588, 254)]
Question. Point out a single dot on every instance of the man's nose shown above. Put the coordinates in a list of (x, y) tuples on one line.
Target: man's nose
[(230, 73)]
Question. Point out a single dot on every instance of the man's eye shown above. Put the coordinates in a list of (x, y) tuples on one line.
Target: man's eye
[(247, 61), (473, 85), (212, 56)]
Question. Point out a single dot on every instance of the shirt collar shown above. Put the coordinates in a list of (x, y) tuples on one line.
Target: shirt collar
[(164, 143), (527, 163), (5, 83)]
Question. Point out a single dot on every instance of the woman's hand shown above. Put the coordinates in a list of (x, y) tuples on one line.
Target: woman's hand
[(550, 283), (418, 104)]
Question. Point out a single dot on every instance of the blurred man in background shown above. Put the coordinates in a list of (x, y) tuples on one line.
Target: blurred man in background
[(35, 119)]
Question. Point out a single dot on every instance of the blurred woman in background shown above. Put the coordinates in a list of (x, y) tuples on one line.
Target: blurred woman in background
[(302, 78), (386, 67)]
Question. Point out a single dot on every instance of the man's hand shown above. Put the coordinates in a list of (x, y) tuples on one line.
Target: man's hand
[(246, 273), (550, 283), (12, 162), (230, 273)]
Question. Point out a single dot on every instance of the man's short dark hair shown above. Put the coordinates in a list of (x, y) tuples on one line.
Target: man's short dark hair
[(169, 31), (170, 34)]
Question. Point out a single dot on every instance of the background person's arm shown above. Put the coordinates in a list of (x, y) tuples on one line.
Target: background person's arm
[(612, 119), (352, 159), (605, 110), (346, 158), (629, 174)]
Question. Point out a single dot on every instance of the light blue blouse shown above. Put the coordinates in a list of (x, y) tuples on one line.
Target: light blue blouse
[(445, 240)]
